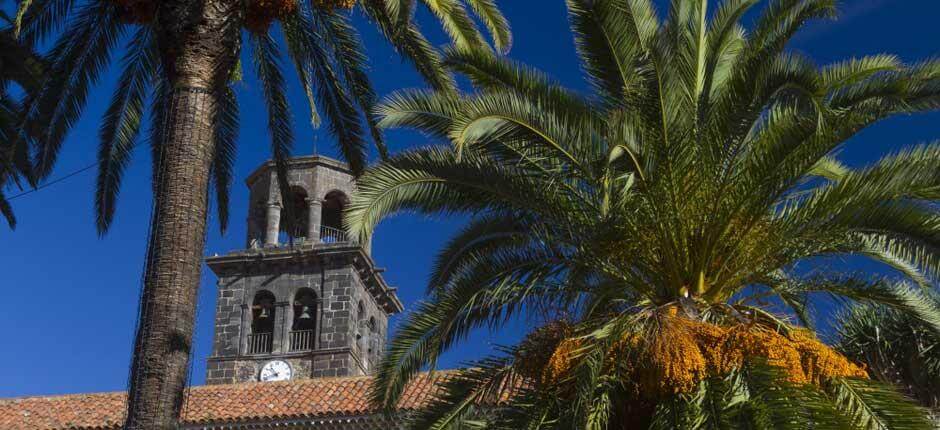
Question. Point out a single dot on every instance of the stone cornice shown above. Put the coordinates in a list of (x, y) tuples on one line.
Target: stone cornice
[(299, 163), (371, 277)]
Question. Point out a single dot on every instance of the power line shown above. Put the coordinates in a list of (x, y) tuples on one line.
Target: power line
[(57, 180), (53, 182)]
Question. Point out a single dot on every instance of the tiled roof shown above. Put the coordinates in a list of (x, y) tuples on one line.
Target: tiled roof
[(215, 404)]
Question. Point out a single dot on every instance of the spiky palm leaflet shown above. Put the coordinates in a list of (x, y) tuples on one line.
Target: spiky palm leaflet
[(182, 61), (690, 186), (21, 70), (897, 349)]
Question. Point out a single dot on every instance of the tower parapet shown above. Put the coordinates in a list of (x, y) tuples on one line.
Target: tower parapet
[(319, 191)]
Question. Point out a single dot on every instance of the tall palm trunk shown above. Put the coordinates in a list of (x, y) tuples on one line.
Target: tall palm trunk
[(198, 42)]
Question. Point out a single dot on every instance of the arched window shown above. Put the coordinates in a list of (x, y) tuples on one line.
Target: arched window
[(303, 328), (298, 211), (261, 339), (331, 219)]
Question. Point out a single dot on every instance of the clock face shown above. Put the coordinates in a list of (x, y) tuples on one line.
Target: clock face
[(276, 370)]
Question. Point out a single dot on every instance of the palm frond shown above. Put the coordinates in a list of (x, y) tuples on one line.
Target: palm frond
[(295, 49), (332, 96), (482, 235), (896, 349), (267, 63), (434, 180), (467, 395), (408, 40), (78, 58), (21, 63), (349, 53), (490, 296), (853, 71), (457, 23), (918, 262), (495, 22), (121, 123), (612, 36), (873, 406), (37, 19), (430, 113), (223, 159), (488, 72), (6, 210), (893, 295)]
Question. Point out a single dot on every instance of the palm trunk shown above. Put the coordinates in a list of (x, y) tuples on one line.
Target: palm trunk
[(198, 40)]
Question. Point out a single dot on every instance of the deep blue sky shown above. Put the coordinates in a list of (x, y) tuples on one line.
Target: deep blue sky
[(70, 297)]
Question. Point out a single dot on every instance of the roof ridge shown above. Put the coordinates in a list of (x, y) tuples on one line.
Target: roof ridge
[(4, 400)]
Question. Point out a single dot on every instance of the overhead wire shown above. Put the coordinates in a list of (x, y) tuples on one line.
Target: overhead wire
[(48, 184)]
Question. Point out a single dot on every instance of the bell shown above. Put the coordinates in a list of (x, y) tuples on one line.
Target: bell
[(264, 313), (305, 313)]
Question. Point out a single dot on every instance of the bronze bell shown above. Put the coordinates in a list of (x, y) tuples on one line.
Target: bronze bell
[(305, 313), (264, 313)]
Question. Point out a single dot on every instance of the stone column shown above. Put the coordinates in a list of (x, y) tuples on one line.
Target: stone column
[(314, 213), (322, 305), (244, 330), (250, 230), (273, 224), (282, 327)]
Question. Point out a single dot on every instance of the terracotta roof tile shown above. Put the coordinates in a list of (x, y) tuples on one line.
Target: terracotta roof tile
[(232, 403)]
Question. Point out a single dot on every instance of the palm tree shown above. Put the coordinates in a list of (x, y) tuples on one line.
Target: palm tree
[(896, 348), (181, 55), (22, 66), (667, 231)]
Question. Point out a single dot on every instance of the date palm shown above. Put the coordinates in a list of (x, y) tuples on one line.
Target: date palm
[(181, 55), (668, 231)]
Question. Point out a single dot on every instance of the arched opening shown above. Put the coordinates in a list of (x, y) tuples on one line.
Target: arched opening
[(303, 328), (331, 220), (261, 339), (296, 213)]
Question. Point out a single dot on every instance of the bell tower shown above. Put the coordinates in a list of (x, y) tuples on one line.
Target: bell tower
[(314, 306)]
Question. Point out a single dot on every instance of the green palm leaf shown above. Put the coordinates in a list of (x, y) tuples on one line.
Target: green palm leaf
[(122, 120), (698, 182)]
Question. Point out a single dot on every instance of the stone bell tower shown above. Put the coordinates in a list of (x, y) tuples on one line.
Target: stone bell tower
[(314, 306)]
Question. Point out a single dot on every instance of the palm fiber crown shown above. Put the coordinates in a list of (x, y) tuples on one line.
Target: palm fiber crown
[(658, 225)]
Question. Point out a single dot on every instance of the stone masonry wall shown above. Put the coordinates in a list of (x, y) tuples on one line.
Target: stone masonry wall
[(346, 344), (351, 326)]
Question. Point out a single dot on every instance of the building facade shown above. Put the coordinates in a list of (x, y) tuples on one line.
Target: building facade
[(301, 321), (302, 300)]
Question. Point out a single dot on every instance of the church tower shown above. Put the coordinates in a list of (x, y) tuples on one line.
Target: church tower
[(312, 307)]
